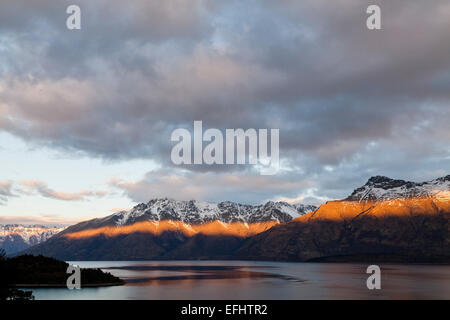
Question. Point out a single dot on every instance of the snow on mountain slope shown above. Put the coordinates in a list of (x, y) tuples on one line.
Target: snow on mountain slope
[(383, 188), (304, 208), (198, 212), (16, 237)]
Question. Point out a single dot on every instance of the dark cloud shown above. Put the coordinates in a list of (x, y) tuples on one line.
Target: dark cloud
[(349, 102)]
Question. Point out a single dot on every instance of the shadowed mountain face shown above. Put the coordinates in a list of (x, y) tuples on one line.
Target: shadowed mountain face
[(402, 222), (385, 220), (368, 232), (140, 246)]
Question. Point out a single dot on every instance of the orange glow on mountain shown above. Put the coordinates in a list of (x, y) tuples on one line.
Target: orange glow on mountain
[(332, 210), (347, 210), (238, 229)]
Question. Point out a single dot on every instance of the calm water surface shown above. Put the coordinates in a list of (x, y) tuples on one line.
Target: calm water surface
[(258, 280)]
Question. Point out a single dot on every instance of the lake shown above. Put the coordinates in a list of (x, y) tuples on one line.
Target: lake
[(258, 280)]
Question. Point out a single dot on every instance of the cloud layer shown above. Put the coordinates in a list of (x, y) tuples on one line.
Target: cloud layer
[(349, 102), (10, 189)]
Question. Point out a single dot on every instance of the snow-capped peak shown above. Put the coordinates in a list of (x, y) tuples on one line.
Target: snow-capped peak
[(16, 237), (384, 188), (195, 212), (304, 208)]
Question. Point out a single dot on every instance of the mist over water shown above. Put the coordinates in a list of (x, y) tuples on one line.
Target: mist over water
[(154, 280)]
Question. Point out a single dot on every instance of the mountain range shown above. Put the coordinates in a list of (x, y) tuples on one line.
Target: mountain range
[(197, 212), (385, 219), (169, 229), (18, 237)]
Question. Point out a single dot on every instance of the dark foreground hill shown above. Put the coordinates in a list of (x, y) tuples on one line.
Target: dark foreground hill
[(39, 271)]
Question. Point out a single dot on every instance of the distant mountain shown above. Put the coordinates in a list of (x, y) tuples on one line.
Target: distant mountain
[(17, 237), (169, 229)]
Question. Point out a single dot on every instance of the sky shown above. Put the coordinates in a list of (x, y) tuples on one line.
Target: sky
[(86, 115)]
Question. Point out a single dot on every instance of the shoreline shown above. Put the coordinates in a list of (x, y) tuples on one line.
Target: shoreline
[(93, 285)]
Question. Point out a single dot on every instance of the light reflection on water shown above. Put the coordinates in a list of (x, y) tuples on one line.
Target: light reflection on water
[(258, 280)]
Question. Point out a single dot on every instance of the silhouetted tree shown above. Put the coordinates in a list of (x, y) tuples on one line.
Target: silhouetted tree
[(7, 277)]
